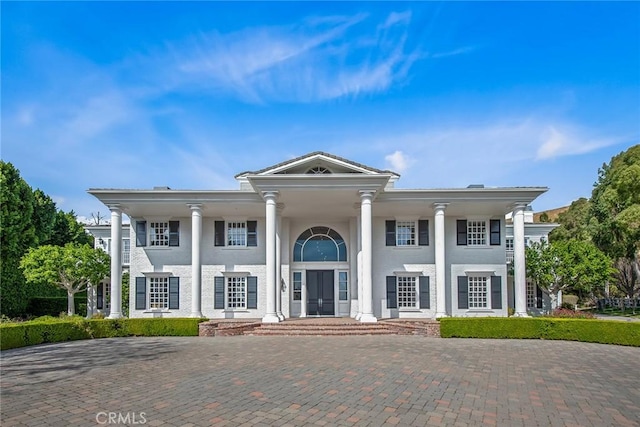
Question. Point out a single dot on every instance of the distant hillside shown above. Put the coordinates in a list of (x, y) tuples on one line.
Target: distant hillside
[(551, 213)]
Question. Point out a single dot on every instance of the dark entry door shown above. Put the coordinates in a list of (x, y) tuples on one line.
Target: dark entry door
[(320, 293)]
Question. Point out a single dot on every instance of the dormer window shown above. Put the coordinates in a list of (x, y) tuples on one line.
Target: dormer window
[(318, 170)]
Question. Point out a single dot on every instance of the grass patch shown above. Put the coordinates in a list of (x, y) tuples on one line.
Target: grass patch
[(50, 330), (585, 330)]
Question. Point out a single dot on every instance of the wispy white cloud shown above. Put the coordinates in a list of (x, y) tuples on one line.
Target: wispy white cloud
[(319, 59), (567, 142)]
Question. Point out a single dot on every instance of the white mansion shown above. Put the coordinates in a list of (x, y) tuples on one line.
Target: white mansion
[(319, 235)]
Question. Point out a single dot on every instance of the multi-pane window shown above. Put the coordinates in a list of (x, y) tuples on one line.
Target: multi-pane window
[(236, 234), (476, 233), (405, 233), (236, 292), (126, 251), (509, 243), (531, 294), (159, 234), (158, 292), (297, 286), (106, 296), (343, 285), (478, 292), (407, 292)]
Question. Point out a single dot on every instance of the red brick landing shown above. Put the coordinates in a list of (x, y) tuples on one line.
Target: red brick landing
[(321, 326)]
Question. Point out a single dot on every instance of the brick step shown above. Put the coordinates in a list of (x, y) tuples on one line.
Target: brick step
[(318, 332), (284, 326)]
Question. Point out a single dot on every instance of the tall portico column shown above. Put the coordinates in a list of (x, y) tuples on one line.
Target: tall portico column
[(280, 208), (441, 308), (359, 261), (270, 199), (519, 267), (116, 262), (367, 286), (196, 260)]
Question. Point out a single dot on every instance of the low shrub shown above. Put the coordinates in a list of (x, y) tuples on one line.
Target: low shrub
[(569, 313), (586, 330), (52, 306), (50, 329)]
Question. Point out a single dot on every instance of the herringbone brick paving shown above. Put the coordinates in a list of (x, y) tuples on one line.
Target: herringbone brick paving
[(297, 381)]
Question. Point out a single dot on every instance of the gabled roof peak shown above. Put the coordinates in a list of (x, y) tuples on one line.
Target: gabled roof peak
[(290, 164)]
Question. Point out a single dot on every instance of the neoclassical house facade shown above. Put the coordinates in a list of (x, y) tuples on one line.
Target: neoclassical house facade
[(319, 235)]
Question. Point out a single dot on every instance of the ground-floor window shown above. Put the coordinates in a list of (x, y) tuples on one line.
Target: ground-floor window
[(297, 286), (407, 292), (531, 295), (158, 292), (236, 292), (478, 292), (343, 286)]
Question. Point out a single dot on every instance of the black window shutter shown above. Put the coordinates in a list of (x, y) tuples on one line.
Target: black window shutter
[(390, 227), (174, 233), (461, 228), (252, 233), (494, 237), (141, 233), (392, 300), (219, 233), (141, 293), (425, 300), (100, 296), (538, 297), (496, 292), (463, 292), (423, 232), (252, 292), (218, 292), (174, 293)]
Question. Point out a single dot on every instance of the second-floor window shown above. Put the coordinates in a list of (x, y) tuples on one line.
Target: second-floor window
[(236, 233)]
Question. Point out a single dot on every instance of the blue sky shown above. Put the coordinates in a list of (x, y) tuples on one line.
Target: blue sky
[(135, 95)]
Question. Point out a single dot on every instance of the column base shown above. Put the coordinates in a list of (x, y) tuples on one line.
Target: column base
[(358, 316), (270, 318), (196, 314), (115, 315), (521, 315), (368, 318), (280, 316), (440, 315)]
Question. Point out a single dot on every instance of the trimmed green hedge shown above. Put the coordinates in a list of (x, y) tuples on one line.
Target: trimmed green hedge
[(13, 335), (586, 330)]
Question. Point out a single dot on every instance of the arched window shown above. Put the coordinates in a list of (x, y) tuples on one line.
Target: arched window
[(320, 244), (318, 170)]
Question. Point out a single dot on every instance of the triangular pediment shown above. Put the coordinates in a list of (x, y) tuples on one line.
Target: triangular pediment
[(318, 163)]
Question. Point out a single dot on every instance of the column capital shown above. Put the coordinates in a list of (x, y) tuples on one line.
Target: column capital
[(195, 206), (366, 194), (270, 195), (440, 206), (519, 206), (115, 207)]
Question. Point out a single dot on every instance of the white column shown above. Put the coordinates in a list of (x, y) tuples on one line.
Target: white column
[(196, 260), (270, 199), (359, 263), (441, 308), (91, 300), (279, 210), (116, 262), (519, 267), (367, 286)]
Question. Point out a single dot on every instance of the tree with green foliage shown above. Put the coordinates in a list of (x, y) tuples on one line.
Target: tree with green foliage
[(44, 215), (71, 267), (17, 233), (615, 206), (574, 222), (572, 265), (67, 229)]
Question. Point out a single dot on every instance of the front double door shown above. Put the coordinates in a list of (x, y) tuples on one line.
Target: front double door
[(320, 293)]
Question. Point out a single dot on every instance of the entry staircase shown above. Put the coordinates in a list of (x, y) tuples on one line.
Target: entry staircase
[(321, 326)]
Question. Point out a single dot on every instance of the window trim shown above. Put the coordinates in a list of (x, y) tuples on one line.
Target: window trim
[(489, 235)]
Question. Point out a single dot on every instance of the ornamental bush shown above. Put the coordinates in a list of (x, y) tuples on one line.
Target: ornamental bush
[(50, 330), (585, 330)]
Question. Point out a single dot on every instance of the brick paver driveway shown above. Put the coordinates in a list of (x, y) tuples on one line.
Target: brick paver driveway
[(362, 380)]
